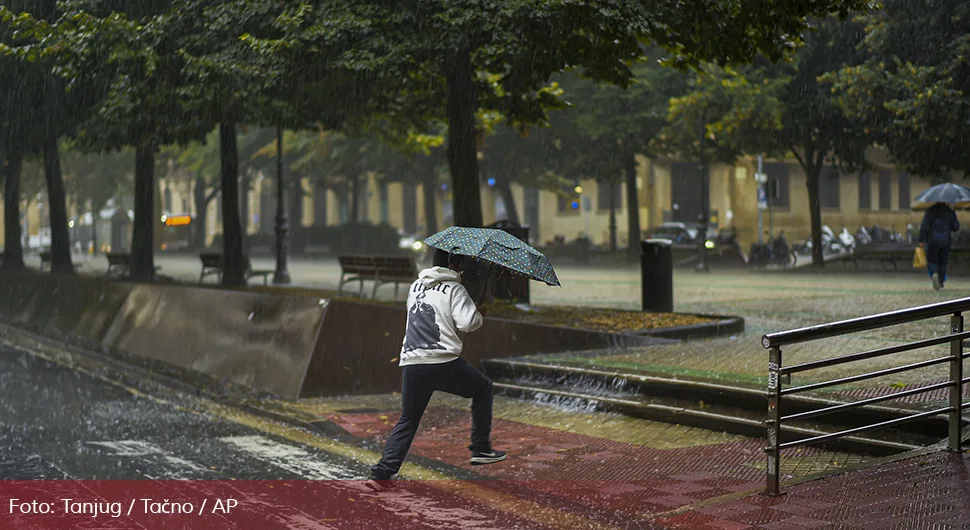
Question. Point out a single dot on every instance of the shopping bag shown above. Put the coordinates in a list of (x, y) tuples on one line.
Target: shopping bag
[(919, 258)]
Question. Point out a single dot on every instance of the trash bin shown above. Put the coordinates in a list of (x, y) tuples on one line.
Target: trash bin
[(656, 276), (503, 284)]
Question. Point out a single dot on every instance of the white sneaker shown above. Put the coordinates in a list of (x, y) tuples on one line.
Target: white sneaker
[(936, 282)]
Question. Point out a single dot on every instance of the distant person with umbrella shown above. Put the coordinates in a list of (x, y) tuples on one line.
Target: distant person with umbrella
[(439, 307), (939, 224)]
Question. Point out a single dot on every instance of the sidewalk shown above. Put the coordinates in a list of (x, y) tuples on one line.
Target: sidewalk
[(931, 491), (616, 470)]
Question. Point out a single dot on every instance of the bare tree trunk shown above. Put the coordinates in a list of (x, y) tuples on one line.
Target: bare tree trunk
[(632, 203), (13, 251), (57, 197), (612, 190), (812, 162), (199, 196), (234, 265), (815, 210), (462, 147), (143, 229)]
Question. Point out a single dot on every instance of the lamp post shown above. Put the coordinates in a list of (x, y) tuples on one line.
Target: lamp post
[(282, 274)]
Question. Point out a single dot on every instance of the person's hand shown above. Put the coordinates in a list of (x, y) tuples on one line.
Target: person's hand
[(481, 309)]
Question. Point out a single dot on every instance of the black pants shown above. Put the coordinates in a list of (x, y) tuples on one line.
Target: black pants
[(418, 382), (936, 257)]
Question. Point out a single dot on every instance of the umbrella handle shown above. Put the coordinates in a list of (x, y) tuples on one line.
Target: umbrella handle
[(485, 287)]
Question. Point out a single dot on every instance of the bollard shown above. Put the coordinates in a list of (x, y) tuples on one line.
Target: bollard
[(656, 276)]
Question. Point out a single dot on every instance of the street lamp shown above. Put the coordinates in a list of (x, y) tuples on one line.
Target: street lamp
[(282, 274)]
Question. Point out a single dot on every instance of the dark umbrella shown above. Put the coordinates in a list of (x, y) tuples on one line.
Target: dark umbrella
[(497, 247), (949, 193)]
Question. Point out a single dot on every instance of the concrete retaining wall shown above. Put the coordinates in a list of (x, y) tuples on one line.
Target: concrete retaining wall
[(285, 344)]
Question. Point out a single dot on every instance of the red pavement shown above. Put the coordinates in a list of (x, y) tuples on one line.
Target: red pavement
[(631, 486), (931, 491), (617, 483)]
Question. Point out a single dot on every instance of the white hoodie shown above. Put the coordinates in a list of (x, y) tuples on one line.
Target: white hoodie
[(438, 308)]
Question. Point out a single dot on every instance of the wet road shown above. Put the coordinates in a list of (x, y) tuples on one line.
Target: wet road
[(68, 434), (56, 423)]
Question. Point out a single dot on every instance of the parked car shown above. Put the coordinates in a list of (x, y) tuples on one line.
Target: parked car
[(678, 233)]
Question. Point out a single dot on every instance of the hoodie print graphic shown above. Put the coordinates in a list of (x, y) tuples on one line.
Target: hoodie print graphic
[(422, 331)]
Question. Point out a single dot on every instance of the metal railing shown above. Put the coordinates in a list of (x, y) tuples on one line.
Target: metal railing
[(778, 374)]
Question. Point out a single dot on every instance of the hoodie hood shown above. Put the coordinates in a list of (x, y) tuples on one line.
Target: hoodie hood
[(435, 275)]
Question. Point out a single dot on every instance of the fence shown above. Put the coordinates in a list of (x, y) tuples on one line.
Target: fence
[(778, 375)]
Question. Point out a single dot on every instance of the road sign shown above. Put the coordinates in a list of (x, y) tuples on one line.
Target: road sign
[(762, 199)]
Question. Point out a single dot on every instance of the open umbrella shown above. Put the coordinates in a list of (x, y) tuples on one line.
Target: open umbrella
[(949, 193), (497, 247)]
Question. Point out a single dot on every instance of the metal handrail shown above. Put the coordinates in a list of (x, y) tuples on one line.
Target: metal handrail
[(777, 374), (867, 323)]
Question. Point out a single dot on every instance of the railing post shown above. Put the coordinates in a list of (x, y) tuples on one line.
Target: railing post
[(956, 385), (773, 423)]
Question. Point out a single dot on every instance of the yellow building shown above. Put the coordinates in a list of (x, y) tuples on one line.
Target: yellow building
[(668, 190)]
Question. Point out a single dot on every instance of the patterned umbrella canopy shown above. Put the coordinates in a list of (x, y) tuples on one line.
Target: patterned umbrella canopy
[(498, 247)]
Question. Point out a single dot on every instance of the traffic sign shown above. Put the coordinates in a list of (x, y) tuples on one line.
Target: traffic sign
[(762, 199)]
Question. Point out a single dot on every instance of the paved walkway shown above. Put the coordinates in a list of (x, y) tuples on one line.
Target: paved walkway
[(931, 491), (627, 473)]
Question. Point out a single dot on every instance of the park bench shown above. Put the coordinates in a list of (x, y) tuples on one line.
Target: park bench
[(119, 264), (379, 269), (45, 260), (886, 257), (316, 250), (212, 264)]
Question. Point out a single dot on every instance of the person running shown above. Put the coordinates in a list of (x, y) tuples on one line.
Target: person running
[(935, 235), (438, 308)]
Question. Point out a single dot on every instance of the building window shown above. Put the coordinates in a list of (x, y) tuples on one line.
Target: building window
[(829, 189), (382, 191), (885, 190), (409, 197), (904, 197), (568, 200), (778, 185), (603, 195), (865, 191), (531, 208)]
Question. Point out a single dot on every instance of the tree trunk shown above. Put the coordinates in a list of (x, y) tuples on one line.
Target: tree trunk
[(142, 266), (57, 199), (462, 147), (200, 197), (94, 232), (815, 214), (811, 163), (632, 203), (319, 204), (355, 199), (13, 252), (612, 190), (233, 258), (244, 204), (508, 199), (429, 192)]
